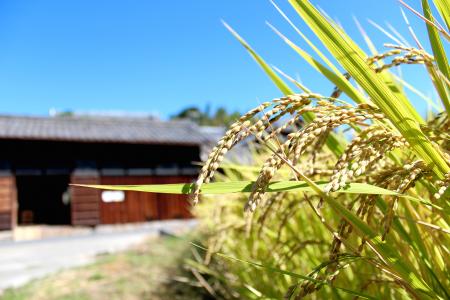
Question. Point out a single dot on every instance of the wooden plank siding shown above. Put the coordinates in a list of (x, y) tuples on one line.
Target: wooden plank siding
[(8, 202), (172, 206), (142, 207), (85, 202)]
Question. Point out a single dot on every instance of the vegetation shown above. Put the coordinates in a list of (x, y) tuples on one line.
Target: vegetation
[(333, 216), (221, 117), (152, 270)]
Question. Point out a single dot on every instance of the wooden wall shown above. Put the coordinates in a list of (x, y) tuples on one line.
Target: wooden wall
[(173, 206), (89, 209), (8, 202), (142, 207), (85, 202), (69, 157)]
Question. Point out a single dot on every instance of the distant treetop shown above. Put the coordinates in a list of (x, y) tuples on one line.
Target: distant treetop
[(221, 117)]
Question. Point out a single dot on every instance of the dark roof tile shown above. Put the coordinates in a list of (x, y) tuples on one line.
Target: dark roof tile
[(101, 129)]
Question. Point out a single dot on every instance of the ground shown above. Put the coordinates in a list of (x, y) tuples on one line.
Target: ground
[(152, 270), (23, 261)]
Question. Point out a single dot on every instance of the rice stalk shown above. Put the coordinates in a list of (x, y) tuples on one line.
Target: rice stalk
[(403, 244)]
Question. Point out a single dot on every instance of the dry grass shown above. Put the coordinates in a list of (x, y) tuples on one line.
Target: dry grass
[(148, 271)]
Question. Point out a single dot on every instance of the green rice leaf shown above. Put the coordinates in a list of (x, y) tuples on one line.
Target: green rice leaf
[(284, 272), (436, 42), (385, 250), (443, 7), (284, 88), (336, 145), (366, 37), (395, 107), (246, 187), (242, 187), (421, 95), (439, 55), (340, 81), (336, 78)]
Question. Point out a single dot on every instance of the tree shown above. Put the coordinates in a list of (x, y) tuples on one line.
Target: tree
[(221, 117)]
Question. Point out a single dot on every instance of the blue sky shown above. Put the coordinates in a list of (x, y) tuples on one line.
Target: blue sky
[(162, 56)]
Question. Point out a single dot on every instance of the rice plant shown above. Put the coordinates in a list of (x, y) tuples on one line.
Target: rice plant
[(353, 240), (328, 215), (391, 246)]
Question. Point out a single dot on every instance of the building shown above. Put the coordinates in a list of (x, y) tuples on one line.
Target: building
[(41, 156)]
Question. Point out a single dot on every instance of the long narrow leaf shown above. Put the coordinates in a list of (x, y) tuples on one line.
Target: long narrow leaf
[(284, 88), (388, 253), (335, 145), (439, 55), (352, 58), (246, 187), (421, 95), (340, 81), (288, 273), (443, 7), (336, 78), (241, 186)]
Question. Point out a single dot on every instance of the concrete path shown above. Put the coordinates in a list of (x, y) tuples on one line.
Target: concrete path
[(23, 261)]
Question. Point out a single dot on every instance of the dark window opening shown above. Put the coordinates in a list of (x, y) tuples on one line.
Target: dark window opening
[(43, 200)]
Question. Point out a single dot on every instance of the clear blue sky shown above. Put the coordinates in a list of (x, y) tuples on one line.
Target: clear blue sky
[(160, 56)]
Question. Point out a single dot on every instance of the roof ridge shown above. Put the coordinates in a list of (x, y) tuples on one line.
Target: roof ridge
[(103, 129)]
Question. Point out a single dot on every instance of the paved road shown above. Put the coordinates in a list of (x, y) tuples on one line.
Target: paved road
[(22, 261)]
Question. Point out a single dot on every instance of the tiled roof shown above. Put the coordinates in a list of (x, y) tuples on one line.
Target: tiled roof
[(101, 129)]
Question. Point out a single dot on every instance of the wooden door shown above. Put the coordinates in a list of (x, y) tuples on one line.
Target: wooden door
[(8, 202), (143, 207)]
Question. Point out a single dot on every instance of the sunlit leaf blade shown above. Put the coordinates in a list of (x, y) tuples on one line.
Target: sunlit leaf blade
[(336, 78), (442, 30), (420, 246), (385, 32), (388, 77), (242, 186), (366, 37), (443, 7), (440, 86), (421, 95), (284, 88), (308, 41), (301, 86), (340, 81), (285, 272), (336, 145), (436, 42), (439, 55), (246, 187), (391, 256), (397, 109)]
